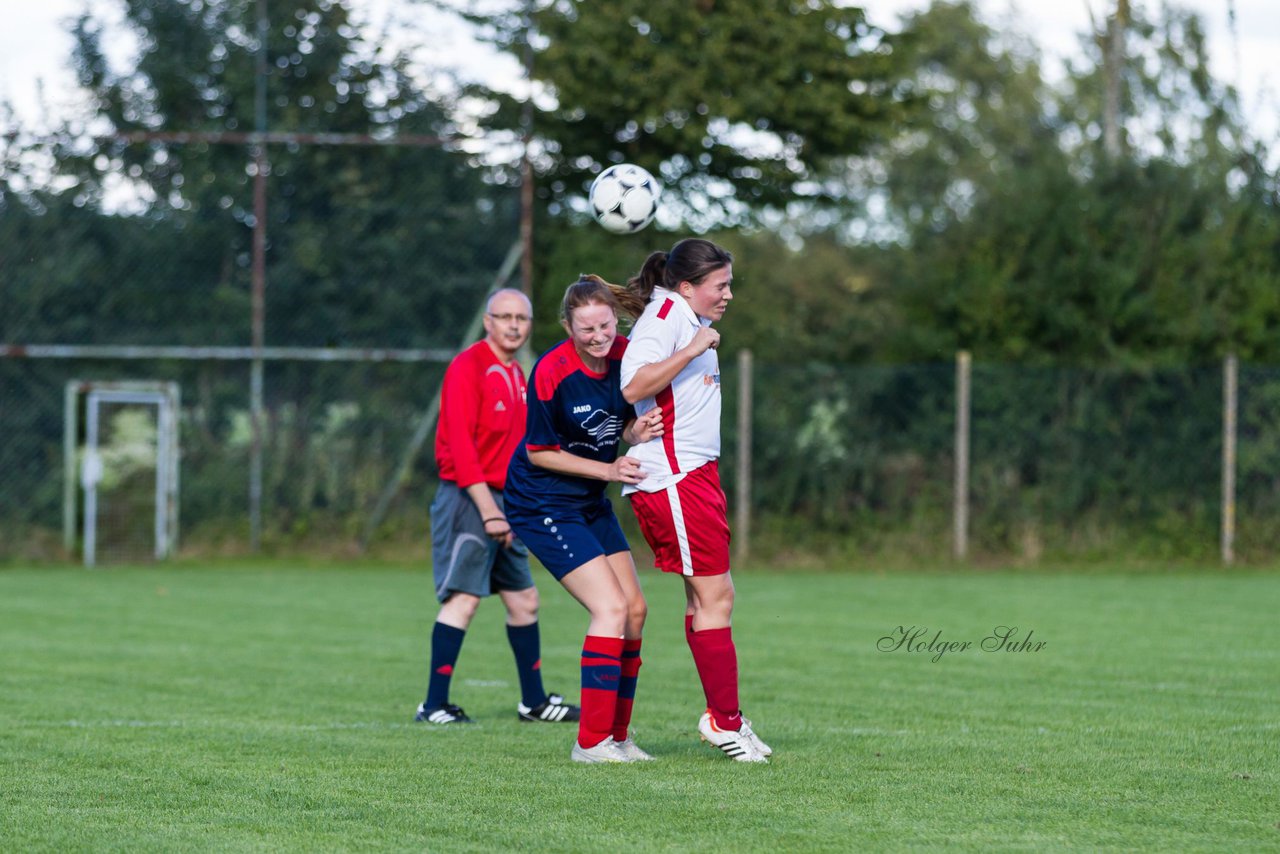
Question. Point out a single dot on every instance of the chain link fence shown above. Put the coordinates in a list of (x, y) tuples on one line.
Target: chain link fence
[(1064, 463), (333, 438)]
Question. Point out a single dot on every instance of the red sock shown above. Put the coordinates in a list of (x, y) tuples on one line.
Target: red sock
[(626, 688), (716, 658), (601, 672), (688, 638)]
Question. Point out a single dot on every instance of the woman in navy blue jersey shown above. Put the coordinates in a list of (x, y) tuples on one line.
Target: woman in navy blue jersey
[(556, 503)]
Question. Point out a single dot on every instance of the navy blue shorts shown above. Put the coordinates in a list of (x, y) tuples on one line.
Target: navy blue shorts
[(564, 538)]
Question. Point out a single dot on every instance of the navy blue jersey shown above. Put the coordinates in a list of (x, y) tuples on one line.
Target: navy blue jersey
[(572, 409)]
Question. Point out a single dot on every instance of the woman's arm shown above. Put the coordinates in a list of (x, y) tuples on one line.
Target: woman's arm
[(621, 470), (656, 376)]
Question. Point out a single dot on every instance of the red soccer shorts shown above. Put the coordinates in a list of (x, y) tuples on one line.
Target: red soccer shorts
[(687, 525)]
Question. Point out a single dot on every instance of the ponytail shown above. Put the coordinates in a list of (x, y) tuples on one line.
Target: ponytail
[(690, 260), (651, 275)]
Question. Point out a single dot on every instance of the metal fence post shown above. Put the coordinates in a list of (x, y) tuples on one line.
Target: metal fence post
[(960, 508), (70, 398), (742, 520), (1230, 408)]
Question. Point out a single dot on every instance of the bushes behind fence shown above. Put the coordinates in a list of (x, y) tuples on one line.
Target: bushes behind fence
[(858, 461)]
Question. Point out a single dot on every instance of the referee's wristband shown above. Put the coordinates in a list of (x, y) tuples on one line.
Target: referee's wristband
[(494, 519)]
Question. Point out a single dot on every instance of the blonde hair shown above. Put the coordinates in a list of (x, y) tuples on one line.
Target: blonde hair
[(591, 289)]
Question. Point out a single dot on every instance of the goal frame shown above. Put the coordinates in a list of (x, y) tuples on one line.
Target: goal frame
[(166, 397)]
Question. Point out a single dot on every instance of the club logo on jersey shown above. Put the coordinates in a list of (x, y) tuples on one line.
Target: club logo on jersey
[(601, 425)]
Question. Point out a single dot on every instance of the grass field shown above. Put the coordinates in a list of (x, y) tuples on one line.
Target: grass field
[(269, 707)]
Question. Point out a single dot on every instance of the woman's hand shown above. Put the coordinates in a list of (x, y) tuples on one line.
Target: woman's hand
[(704, 339), (626, 470), (646, 427)]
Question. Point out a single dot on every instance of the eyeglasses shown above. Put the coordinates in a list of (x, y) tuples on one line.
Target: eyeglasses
[(508, 318)]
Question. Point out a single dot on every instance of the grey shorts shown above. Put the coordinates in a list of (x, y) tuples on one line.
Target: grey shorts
[(463, 559)]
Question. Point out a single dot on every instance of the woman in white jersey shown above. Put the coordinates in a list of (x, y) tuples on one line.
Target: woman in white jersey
[(671, 364)]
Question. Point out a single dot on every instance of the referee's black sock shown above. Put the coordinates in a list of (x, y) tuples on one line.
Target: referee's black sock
[(446, 643), (526, 643)]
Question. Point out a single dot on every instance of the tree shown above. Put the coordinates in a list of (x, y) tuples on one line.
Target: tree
[(982, 114), (1143, 88), (1063, 254), (371, 246), (737, 105), (150, 242)]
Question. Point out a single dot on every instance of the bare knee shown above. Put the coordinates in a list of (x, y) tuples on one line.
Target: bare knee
[(522, 606), (712, 607), (609, 616), (713, 614), (614, 610), (458, 610), (637, 613)]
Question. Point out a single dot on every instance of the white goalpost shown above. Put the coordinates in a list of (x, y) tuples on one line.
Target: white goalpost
[(111, 451)]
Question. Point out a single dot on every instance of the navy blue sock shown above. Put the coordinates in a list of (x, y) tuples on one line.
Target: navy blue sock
[(526, 643), (446, 643)]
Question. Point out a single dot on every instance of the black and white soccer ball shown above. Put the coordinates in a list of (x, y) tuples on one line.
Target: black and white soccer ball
[(624, 198)]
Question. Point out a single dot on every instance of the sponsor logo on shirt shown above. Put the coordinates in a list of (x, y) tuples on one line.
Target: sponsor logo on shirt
[(711, 379), (578, 410)]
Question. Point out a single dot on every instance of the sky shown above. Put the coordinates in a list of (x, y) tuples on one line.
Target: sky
[(34, 46)]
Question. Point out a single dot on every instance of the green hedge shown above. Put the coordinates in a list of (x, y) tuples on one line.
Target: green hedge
[(852, 460)]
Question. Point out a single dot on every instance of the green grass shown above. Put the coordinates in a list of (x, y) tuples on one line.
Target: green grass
[(267, 708)]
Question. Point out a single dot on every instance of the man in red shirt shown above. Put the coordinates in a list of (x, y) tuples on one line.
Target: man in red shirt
[(482, 419)]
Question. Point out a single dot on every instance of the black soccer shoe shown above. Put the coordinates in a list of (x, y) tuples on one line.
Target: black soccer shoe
[(446, 714), (551, 710)]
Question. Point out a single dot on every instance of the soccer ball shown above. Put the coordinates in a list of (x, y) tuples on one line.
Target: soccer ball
[(624, 198)]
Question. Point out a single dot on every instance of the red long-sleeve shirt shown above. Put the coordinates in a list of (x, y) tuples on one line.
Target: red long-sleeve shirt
[(482, 417)]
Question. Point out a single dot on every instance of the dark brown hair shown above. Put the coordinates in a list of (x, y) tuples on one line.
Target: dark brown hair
[(690, 260), (590, 289)]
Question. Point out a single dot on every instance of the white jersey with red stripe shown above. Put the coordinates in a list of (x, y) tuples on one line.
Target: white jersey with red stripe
[(690, 404)]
